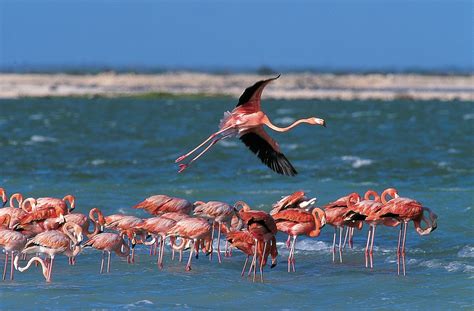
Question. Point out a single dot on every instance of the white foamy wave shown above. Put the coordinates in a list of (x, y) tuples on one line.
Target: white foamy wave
[(284, 120), (307, 245), (468, 116), (290, 146), (40, 139), (357, 162), (139, 303), (466, 252), (228, 143), (454, 266), (97, 162)]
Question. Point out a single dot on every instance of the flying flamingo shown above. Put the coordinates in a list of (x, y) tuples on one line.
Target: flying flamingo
[(246, 121), (295, 222), (335, 212), (52, 243), (220, 213), (157, 227), (262, 227), (107, 243), (406, 210), (244, 241), (159, 204), (195, 229), (11, 241)]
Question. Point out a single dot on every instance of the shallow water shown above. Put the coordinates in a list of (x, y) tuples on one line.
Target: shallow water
[(112, 153)]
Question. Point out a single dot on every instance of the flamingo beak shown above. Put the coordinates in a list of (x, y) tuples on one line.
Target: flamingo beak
[(274, 263), (4, 203), (320, 121)]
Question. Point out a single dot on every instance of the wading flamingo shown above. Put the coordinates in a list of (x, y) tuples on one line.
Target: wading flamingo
[(11, 241), (126, 225), (197, 230), (244, 241), (263, 228), (220, 213), (159, 204), (367, 210), (16, 213), (49, 207), (157, 227), (246, 121), (335, 212), (107, 243), (406, 210), (295, 222), (52, 243)]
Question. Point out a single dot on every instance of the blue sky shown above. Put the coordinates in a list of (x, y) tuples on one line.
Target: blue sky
[(206, 34)]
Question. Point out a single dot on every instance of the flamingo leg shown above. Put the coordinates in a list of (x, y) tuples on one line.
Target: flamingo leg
[(188, 266), (340, 243), (183, 166), (102, 263), (5, 267), (50, 269), (261, 262), (254, 260), (288, 242), (212, 240), (351, 241), (403, 247), (371, 252), (345, 237), (245, 265), (219, 242), (398, 247), (108, 262), (369, 233), (181, 158), (333, 245), (162, 251), (293, 253), (12, 270)]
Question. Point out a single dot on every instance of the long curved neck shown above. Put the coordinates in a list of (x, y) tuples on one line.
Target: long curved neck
[(72, 202), (268, 123), (37, 259), (124, 250), (390, 191), (69, 234), (31, 202), (317, 224), (245, 206), (353, 196), (18, 197), (95, 222)]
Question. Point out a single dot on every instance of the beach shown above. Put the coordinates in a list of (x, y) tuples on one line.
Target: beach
[(288, 86)]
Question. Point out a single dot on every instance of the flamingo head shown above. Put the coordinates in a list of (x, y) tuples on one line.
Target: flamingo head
[(4, 196), (317, 121)]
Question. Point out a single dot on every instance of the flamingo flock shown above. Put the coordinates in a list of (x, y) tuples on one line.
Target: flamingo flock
[(47, 229)]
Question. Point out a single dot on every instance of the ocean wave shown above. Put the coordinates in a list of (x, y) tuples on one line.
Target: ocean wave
[(454, 266), (466, 252), (40, 139), (284, 111), (357, 162), (139, 303), (284, 120), (362, 114), (97, 162), (228, 143), (468, 116)]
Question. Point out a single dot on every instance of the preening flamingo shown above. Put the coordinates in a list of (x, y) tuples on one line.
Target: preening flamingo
[(48, 207), (16, 213), (220, 213), (52, 243), (83, 221), (197, 230), (406, 210), (368, 210), (246, 121), (335, 216), (159, 204), (296, 222), (126, 225), (297, 199), (107, 243), (262, 227), (157, 227), (11, 241)]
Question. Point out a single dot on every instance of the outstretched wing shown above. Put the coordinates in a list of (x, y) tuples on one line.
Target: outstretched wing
[(251, 97), (268, 151)]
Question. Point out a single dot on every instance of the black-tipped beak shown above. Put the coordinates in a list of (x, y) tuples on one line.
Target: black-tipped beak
[(273, 265), (4, 203), (324, 123)]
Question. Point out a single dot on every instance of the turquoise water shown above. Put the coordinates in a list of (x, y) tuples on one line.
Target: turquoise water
[(112, 153)]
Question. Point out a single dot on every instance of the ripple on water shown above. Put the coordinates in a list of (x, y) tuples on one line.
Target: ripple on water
[(356, 161), (466, 252), (40, 139)]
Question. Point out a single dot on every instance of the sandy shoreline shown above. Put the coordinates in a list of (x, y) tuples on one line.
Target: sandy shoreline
[(289, 86)]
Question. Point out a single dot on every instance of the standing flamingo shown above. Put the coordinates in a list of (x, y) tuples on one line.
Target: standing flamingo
[(246, 121), (157, 227), (335, 216), (195, 229), (83, 221), (126, 225), (11, 241), (263, 228), (406, 210), (107, 243), (220, 213), (52, 243), (297, 199), (367, 210), (16, 213), (296, 222), (159, 204)]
